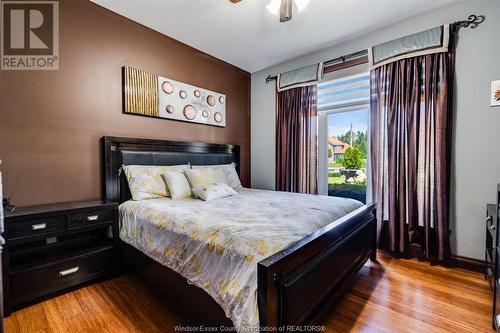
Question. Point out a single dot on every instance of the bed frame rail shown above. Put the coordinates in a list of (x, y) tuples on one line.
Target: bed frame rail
[(298, 283)]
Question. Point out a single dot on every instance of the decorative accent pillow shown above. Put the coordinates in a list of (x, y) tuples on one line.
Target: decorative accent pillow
[(146, 181), (213, 191), (224, 173), (177, 184), (200, 176)]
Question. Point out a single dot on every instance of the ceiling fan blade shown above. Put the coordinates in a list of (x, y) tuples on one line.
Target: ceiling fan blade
[(235, 1), (286, 10)]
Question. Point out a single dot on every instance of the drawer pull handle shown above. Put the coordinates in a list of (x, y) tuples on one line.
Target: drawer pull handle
[(69, 271), (39, 226), (92, 218)]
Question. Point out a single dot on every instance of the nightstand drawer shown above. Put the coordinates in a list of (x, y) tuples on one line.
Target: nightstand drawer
[(88, 217), (31, 284), (34, 227)]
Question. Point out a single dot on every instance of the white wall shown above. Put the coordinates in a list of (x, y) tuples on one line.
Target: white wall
[(476, 143)]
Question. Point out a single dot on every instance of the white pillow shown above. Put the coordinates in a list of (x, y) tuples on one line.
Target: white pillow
[(146, 181), (177, 184), (224, 173), (213, 191)]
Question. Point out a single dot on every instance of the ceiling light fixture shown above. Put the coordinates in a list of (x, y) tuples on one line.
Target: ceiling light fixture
[(274, 7), (283, 8), (301, 4)]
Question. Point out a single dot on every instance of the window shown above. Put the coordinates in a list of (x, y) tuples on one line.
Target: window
[(350, 91), (343, 109)]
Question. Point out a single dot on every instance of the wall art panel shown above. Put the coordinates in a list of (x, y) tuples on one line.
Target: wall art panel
[(158, 96)]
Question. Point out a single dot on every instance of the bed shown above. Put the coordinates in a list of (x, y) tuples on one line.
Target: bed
[(276, 266)]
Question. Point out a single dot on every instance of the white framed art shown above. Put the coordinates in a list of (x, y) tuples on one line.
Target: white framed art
[(495, 93)]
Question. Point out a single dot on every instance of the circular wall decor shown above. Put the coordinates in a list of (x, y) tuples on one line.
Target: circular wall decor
[(211, 100), (183, 94), (221, 99), (189, 112), (205, 113), (197, 93), (218, 117), (167, 87), (170, 109)]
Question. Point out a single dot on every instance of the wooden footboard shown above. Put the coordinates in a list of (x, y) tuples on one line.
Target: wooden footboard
[(296, 284)]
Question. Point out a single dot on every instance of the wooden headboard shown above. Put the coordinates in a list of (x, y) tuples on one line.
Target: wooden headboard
[(131, 151)]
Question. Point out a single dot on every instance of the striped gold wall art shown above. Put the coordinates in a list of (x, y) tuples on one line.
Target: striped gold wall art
[(140, 91)]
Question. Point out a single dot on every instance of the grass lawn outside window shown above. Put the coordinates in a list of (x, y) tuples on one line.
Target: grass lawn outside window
[(338, 187)]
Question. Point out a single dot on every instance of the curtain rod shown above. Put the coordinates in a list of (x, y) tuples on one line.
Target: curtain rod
[(472, 21)]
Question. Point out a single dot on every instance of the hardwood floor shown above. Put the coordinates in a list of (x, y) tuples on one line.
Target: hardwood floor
[(395, 295)]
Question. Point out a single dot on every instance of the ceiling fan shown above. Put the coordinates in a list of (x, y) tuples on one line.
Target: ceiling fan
[(283, 7)]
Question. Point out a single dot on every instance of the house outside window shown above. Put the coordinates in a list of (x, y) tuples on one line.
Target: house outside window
[(337, 147)]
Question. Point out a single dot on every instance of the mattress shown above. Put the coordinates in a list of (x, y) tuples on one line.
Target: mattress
[(216, 245)]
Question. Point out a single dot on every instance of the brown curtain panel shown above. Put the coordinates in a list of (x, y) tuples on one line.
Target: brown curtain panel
[(410, 154), (296, 140)]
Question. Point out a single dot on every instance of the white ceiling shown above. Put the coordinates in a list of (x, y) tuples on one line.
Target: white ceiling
[(247, 35)]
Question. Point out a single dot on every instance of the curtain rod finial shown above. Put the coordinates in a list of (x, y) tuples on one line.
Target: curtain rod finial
[(270, 78), (473, 21)]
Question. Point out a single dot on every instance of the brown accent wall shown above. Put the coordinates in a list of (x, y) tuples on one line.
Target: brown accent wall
[(51, 121)]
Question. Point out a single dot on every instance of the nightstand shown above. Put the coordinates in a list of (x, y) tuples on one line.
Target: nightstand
[(51, 249)]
